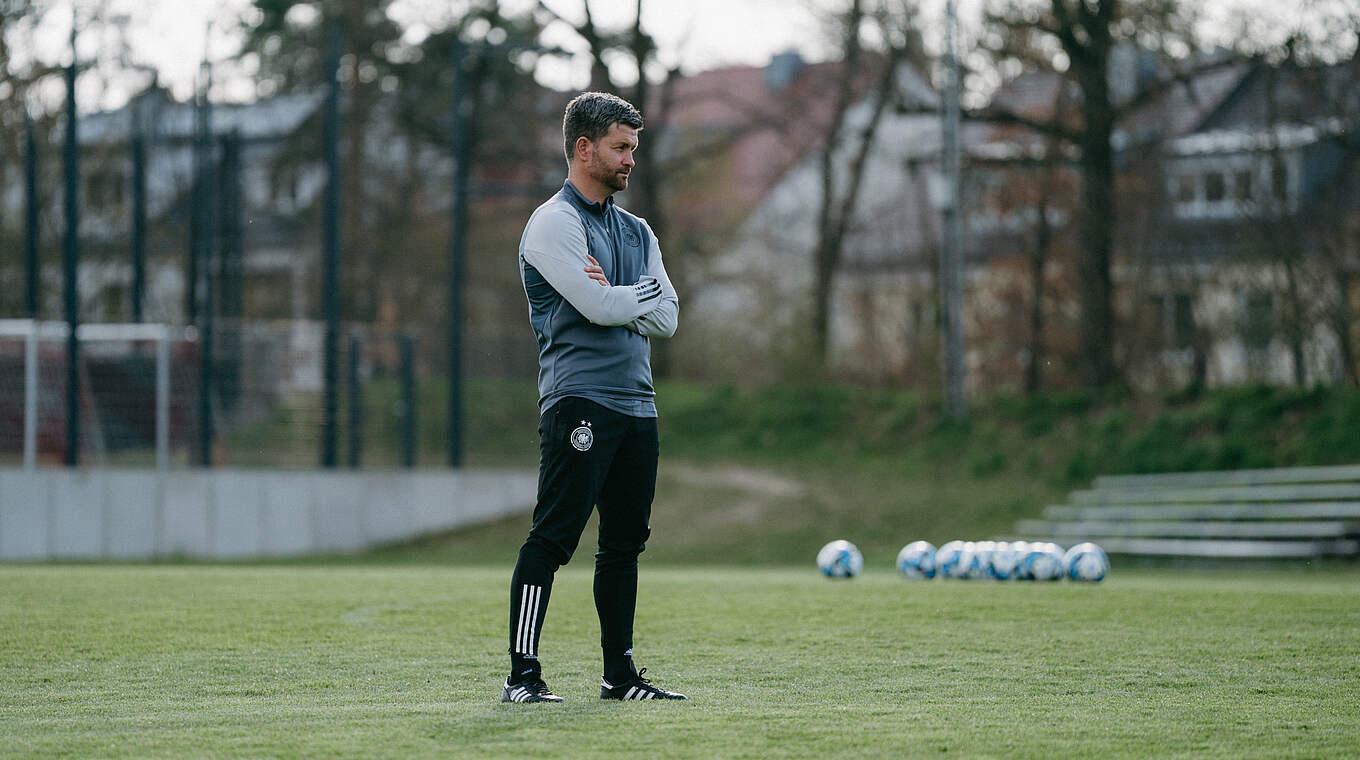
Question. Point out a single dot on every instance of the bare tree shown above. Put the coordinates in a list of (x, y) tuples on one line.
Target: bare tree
[(1038, 264), (1082, 35), (1339, 238), (840, 190)]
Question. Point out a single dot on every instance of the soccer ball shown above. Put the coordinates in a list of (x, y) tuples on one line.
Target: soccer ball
[(948, 558), (840, 559), (1042, 562), (917, 560), (1005, 561), (982, 563), (968, 566), (1086, 562)]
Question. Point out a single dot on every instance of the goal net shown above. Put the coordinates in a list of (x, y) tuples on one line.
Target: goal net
[(136, 385)]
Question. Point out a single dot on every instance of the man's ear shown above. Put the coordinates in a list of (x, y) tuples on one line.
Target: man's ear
[(580, 148)]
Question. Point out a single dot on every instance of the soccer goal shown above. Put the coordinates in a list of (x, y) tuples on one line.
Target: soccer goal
[(126, 390)]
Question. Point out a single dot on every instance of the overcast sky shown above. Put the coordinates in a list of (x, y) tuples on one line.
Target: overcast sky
[(172, 35)]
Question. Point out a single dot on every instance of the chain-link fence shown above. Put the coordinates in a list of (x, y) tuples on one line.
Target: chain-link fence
[(142, 402)]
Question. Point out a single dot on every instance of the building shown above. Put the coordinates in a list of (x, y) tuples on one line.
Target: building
[(1235, 250)]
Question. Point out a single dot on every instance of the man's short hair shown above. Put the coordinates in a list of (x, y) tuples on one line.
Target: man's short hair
[(591, 114)]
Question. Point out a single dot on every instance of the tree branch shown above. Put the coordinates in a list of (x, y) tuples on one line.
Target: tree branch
[(1051, 128)]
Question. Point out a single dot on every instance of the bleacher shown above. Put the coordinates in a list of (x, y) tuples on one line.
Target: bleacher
[(1298, 512)]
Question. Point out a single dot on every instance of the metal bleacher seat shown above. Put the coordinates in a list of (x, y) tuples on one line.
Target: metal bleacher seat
[(1297, 512)]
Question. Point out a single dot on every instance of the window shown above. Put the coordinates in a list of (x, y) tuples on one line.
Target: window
[(104, 189), (1279, 181), (1171, 317), (285, 187), (1215, 187), (1242, 186), (1183, 188), (1258, 324), (1182, 320)]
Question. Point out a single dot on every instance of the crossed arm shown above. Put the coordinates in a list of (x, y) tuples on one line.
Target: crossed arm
[(557, 248), (661, 321)]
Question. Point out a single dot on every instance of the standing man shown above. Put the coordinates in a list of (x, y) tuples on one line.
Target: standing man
[(598, 294)]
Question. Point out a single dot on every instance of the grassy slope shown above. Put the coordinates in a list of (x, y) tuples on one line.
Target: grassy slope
[(327, 661), (768, 475)]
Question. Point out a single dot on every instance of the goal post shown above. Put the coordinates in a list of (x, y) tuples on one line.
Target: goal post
[(22, 340)]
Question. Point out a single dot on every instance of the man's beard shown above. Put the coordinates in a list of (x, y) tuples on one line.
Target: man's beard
[(611, 178)]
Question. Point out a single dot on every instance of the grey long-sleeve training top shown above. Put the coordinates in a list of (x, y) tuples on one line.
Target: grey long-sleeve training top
[(593, 341)]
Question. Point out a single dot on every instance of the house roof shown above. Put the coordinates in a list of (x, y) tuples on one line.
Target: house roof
[(168, 119), (1246, 139), (762, 122), (1186, 103), (1180, 108), (765, 123)]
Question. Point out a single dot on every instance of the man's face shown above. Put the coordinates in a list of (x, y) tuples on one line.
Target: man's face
[(609, 160)]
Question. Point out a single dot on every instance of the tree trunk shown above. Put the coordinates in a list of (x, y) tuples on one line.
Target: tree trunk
[(1342, 326), (1084, 32), (830, 229), (1043, 238), (1096, 333), (1294, 327)]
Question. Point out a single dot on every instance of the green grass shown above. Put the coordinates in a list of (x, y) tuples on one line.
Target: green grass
[(399, 653), (405, 661)]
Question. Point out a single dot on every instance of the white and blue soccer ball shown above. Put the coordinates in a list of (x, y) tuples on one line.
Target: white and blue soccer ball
[(982, 559), (1042, 562), (840, 559), (917, 560), (948, 558), (1004, 562), (1086, 562), (970, 565)]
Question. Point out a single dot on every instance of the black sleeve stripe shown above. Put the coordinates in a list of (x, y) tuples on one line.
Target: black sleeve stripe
[(647, 291)]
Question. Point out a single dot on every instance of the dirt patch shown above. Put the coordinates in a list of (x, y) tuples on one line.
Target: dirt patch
[(751, 481)]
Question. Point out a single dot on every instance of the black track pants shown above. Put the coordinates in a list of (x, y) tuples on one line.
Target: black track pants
[(589, 457)]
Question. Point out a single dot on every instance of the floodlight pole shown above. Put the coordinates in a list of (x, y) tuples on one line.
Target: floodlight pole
[(71, 261), (951, 254), (203, 254), (330, 253), (460, 147), (137, 151), (31, 259)]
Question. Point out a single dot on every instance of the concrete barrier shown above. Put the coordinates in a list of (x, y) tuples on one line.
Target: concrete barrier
[(54, 514)]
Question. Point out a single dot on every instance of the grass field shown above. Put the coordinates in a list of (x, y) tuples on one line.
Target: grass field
[(339, 660)]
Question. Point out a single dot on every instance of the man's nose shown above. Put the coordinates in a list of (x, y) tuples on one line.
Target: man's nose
[(628, 158)]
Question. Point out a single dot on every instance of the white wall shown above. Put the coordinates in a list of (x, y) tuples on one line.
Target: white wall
[(225, 514)]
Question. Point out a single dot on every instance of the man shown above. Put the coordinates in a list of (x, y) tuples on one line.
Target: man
[(597, 294)]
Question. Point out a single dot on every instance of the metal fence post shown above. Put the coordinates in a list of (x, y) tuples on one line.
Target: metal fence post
[(137, 148), (31, 262), (330, 249), (163, 399), (356, 402), (71, 262), (31, 395), (206, 244), (408, 402)]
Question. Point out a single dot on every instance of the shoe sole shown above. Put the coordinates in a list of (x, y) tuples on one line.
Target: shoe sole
[(507, 697), (647, 697)]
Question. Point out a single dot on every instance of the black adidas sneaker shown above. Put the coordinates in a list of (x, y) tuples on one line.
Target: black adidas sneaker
[(533, 690), (636, 688)]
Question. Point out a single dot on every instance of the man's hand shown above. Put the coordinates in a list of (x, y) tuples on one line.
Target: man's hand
[(595, 272)]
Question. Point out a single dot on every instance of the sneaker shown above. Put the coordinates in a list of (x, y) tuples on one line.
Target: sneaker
[(636, 688), (533, 690)]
